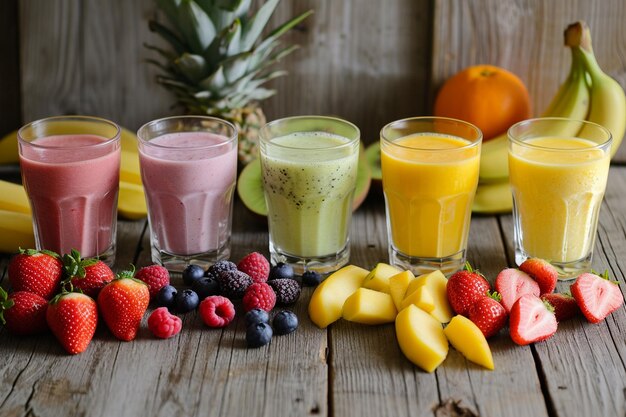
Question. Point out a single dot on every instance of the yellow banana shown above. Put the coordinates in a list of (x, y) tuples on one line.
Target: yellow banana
[(129, 168), (13, 198), (493, 198), (608, 101), (571, 101), (131, 203), (9, 152), (16, 230)]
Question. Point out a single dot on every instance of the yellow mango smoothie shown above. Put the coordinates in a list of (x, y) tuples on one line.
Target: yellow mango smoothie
[(558, 184), (429, 181)]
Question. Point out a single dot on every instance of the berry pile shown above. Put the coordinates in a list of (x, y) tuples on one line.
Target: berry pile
[(258, 330)]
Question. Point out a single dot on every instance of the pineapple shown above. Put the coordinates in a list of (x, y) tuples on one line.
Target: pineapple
[(218, 60)]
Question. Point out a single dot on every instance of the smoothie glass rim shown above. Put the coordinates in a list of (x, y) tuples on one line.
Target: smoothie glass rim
[(515, 139), (473, 142), (267, 139), (78, 118), (148, 142)]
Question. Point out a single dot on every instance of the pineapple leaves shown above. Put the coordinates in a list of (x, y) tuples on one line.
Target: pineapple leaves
[(196, 26), (230, 41), (255, 26), (235, 67), (168, 35), (280, 30), (170, 8), (192, 66), (214, 82)]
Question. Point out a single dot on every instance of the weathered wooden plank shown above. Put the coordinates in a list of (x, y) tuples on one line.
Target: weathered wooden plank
[(583, 364), (525, 37), (10, 100)]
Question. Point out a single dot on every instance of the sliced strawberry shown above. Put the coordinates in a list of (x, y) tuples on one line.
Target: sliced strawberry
[(531, 320), (488, 314), (543, 272), (565, 306), (512, 283), (596, 296), (122, 303), (465, 287), (73, 317)]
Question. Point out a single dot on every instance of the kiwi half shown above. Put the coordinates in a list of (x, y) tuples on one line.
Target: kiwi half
[(250, 185)]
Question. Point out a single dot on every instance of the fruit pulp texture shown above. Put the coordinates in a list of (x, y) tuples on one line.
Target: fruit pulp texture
[(309, 192), (429, 185), (189, 180), (73, 191), (558, 196)]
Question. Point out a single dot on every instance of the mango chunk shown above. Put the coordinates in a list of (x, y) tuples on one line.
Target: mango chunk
[(378, 278), (369, 307), (436, 283), (467, 338), (421, 338), (422, 298), (398, 285)]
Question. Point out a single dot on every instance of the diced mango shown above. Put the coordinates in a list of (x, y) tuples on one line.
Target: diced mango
[(369, 307), (398, 285), (378, 278), (421, 338), (467, 338), (422, 298)]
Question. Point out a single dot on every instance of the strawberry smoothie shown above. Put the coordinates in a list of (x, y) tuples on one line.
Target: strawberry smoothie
[(72, 184), (189, 178)]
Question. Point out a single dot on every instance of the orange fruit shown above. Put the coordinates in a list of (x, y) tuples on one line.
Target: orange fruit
[(487, 96)]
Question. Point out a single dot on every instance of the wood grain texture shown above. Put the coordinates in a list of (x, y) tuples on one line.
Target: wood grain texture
[(526, 37), (10, 100)]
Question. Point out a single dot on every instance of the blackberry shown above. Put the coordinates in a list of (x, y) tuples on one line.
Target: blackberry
[(285, 322), (287, 290), (256, 315), (311, 279), (258, 334), (192, 273), (218, 267), (281, 271), (206, 287), (233, 284)]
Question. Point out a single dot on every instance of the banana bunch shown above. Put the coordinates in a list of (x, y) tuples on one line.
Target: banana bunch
[(16, 227), (586, 94)]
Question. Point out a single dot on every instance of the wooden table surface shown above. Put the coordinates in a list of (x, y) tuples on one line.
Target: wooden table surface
[(345, 370)]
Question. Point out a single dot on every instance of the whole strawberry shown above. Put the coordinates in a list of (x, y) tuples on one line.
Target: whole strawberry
[(597, 296), (465, 287), (23, 313), (36, 271), (565, 306), (541, 271), (73, 317), (488, 314), (122, 304), (531, 320), (88, 275), (155, 277), (256, 266)]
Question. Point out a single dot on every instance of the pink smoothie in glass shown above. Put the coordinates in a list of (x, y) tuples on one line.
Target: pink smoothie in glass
[(72, 182), (189, 178)]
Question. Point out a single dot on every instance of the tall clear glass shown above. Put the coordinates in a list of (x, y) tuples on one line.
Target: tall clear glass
[(189, 169), (430, 174), (309, 166), (70, 168), (558, 172)]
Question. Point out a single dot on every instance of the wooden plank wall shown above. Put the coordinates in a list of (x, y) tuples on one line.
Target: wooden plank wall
[(365, 60), (10, 111)]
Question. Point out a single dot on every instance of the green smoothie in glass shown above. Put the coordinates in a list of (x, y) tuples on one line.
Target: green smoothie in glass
[(309, 167)]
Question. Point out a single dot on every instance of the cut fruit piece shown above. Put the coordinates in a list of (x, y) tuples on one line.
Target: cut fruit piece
[(372, 153), (398, 285), (250, 186), (467, 338), (131, 203), (421, 298), (329, 297), (378, 278), (436, 283), (369, 307), (421, 338)]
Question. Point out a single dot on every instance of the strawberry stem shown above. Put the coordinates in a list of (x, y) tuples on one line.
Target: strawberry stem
[(495, 295)]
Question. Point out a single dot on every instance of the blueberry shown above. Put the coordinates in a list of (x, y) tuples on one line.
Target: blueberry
[(257, 315), (311, 279), (166, 296), (285, 322), (258, 334), (281, 270), (206, 287), (186, 300), (192, 273)]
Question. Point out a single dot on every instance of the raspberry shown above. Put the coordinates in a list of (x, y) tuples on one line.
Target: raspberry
[(217, 268), (155, 276), (259, 295), (287, 290), (233, 284), (255, 265), (164, 325), (217, 311)]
